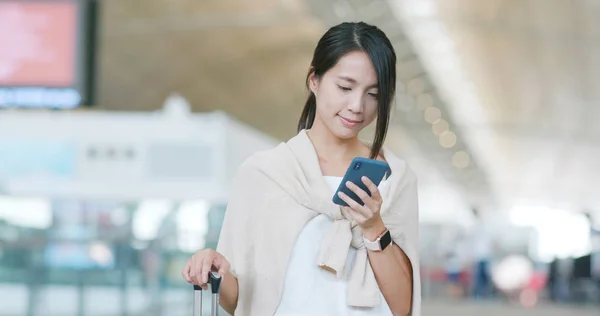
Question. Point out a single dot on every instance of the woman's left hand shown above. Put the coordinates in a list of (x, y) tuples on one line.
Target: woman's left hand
[(367, 216)]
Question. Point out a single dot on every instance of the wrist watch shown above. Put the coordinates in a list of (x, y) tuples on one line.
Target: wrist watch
[(380, 243)]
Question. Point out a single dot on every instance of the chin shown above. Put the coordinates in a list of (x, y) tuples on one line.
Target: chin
[(345, 133)]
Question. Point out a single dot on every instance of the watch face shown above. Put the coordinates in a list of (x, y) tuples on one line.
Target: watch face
[(385, 240)]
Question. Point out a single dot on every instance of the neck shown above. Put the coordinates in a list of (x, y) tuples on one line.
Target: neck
[(328, 146)]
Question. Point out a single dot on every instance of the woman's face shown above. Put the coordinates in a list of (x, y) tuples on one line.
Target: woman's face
[(346, 95)]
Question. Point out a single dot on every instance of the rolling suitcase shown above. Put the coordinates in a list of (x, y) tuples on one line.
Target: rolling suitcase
[(214, 279)]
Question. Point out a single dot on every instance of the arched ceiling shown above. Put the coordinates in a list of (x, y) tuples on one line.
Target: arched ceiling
[(249, 59), (529, 101)]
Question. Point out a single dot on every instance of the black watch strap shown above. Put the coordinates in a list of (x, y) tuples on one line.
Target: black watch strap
[(385, 240)]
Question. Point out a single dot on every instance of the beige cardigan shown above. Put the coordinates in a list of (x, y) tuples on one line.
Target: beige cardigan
[(275, 193)]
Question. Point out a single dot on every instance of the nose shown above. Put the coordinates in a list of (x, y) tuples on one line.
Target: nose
[(356, 103)]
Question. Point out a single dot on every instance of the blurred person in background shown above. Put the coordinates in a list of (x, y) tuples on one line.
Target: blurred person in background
[(559, 279), (562, 284), (454, 266), (482, 254), (284, 247), (595, 252), (551, 280)]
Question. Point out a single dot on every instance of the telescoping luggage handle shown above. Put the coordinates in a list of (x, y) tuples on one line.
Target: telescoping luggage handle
[(214, 279)]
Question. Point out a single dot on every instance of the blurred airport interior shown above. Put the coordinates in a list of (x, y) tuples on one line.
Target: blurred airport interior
[(122, 123)]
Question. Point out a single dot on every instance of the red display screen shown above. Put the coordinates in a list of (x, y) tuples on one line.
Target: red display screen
[(45, 49), (38, 44)]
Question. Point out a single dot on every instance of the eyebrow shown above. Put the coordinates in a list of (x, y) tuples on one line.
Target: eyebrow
[(351, 80)]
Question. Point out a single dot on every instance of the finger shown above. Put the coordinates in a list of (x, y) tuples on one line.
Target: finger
[(375, 194), (360, 209), (364, 196), (351, 203), (356, 216), (186, 272), (206, 268), (199, 276), (196, 270)]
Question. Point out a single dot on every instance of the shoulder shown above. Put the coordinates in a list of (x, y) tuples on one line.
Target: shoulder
[(271, 163), (268, 171), (252, 176), (263, 159), (278, 156)]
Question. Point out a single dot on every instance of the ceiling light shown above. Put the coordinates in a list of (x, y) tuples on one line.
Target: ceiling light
[(461, 159), (432, 114), (447, 139), (440, 126)]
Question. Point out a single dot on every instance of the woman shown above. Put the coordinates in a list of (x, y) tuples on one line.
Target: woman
[(285, 248)]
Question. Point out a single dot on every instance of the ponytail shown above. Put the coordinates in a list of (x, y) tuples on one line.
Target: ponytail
[(308, 113)]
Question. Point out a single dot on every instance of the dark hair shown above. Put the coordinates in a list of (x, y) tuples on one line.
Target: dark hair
[(341, 40)]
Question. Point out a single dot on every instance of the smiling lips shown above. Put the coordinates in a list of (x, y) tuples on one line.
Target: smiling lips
[(348, 122)]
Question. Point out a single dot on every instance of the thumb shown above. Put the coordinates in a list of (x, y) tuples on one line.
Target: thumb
[(221, 266)]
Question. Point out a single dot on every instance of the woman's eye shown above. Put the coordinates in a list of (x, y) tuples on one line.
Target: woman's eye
[(344, 88), (374, 95)]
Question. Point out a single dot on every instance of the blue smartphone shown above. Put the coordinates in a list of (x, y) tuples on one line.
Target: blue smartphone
[(375, 170)]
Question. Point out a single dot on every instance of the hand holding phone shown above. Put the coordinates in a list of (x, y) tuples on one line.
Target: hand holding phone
[(375, 170)]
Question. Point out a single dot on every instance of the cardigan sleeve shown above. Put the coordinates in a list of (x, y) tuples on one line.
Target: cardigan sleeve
[(405, 219)]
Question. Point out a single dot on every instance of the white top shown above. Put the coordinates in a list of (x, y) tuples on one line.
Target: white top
[(482, 242), (310, 290)]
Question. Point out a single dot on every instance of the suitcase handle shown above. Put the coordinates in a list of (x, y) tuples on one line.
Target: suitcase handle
[(214, 279)]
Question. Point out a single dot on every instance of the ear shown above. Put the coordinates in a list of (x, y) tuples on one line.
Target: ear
[(313, 81)]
